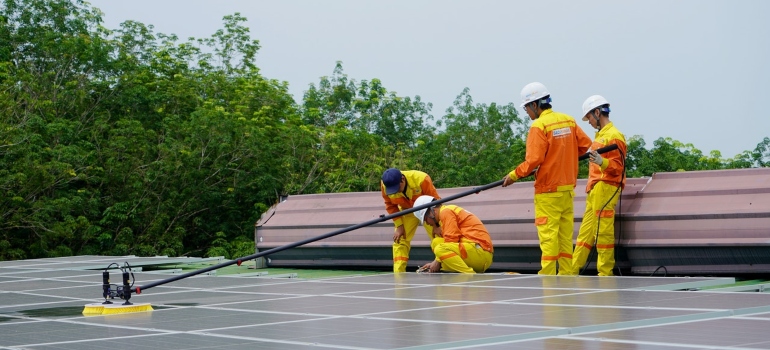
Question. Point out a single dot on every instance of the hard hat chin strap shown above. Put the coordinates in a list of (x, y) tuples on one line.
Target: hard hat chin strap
[(598, 121)]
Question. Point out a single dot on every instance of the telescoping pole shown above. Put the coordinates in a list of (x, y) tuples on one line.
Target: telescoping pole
[(139, 289)]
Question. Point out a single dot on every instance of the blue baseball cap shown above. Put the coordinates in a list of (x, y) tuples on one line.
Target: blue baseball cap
[(391, 178)]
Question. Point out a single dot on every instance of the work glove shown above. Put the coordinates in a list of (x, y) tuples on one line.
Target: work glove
[(595, 158)]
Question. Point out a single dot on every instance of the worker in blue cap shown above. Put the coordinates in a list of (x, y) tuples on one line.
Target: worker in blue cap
[(400, 189)]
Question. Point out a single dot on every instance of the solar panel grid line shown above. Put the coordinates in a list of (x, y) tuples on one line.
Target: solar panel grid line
[(362, 316), (485, 324), (507, 343), (35, 304), (456, 304), (24, 320), (572, 331), (56, 288), (354, 292), (385, 298), (476, 343), (391, 287), (18, 279), (65, 278), (746, 288), (751, 310), (689, 285), (264, 284), (51, 296), (219, 281), (337, 295), (287, 297), (661, 322), (6, 272), (192, 290), (710, 315), (590, 306), (552, 296), (270, 340), (310, 314), (33, 274), (754, 316), (654, 343), (315, 318), (380, 334), (64, 342), (76, 321)]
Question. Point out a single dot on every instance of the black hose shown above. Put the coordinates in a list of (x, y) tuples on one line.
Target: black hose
[(665, 271)]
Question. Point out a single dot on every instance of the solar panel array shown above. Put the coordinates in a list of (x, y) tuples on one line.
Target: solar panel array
[(41, 303)]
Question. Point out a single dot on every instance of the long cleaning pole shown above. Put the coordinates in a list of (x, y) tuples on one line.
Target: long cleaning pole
[(139, 289)]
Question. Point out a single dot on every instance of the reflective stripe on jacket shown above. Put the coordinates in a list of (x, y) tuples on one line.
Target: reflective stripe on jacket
[(459, 225), (553, 145), (418, 183), (611, 170)]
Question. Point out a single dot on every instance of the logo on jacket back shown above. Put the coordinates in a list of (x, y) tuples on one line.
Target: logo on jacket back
[(562, 132)]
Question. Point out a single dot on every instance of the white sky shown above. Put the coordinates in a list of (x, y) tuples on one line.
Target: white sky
[(697, 71)]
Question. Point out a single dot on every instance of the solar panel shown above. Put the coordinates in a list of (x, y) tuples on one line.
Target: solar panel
[(42, 310)]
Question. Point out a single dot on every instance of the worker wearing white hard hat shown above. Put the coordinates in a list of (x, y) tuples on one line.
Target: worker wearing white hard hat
[(553, 145), (606, 179), (460, 241)]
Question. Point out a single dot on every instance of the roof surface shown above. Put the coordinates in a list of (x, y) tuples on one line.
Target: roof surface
[(41, 302)]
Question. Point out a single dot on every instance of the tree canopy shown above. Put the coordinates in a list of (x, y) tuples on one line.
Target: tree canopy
[(126, 141)]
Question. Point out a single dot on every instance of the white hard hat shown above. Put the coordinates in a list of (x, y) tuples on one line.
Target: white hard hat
[(420, 214), (591, 103), (533, 92)]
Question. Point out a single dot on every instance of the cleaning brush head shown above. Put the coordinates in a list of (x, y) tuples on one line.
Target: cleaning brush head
[(97, 309)]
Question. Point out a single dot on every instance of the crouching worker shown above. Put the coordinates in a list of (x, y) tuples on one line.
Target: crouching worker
[(460, 241)]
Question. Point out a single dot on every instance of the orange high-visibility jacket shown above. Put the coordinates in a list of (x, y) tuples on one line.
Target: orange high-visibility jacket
[(553, 145), (612, 168), (418, 183), (459, 225)]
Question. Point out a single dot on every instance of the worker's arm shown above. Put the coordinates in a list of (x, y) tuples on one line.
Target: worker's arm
[(583, 141), (537, 144), (391, 207), (450, 229), (612, 165)]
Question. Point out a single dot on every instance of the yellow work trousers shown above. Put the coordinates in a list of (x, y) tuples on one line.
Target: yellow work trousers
[(598, 221), (470, 258), (553, 219), (402, 247)]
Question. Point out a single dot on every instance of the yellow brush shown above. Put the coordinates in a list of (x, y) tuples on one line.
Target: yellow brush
[(97, 309), (93, 309)]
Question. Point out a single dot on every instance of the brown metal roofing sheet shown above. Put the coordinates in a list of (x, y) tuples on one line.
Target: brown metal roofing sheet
[(682, 210)]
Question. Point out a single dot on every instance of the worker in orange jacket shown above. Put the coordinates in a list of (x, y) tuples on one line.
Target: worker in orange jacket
[(606, 179), (400, 189), (460, 241), (553, 145)]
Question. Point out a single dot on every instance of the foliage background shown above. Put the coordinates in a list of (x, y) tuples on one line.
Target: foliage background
[(126, 141)]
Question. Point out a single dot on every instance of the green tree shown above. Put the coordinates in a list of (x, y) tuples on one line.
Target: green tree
[(355, 131), (479, 144), (128, 142), (52, 52), (761, 154)]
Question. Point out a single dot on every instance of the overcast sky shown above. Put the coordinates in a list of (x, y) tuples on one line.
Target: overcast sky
[(697, 71)]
